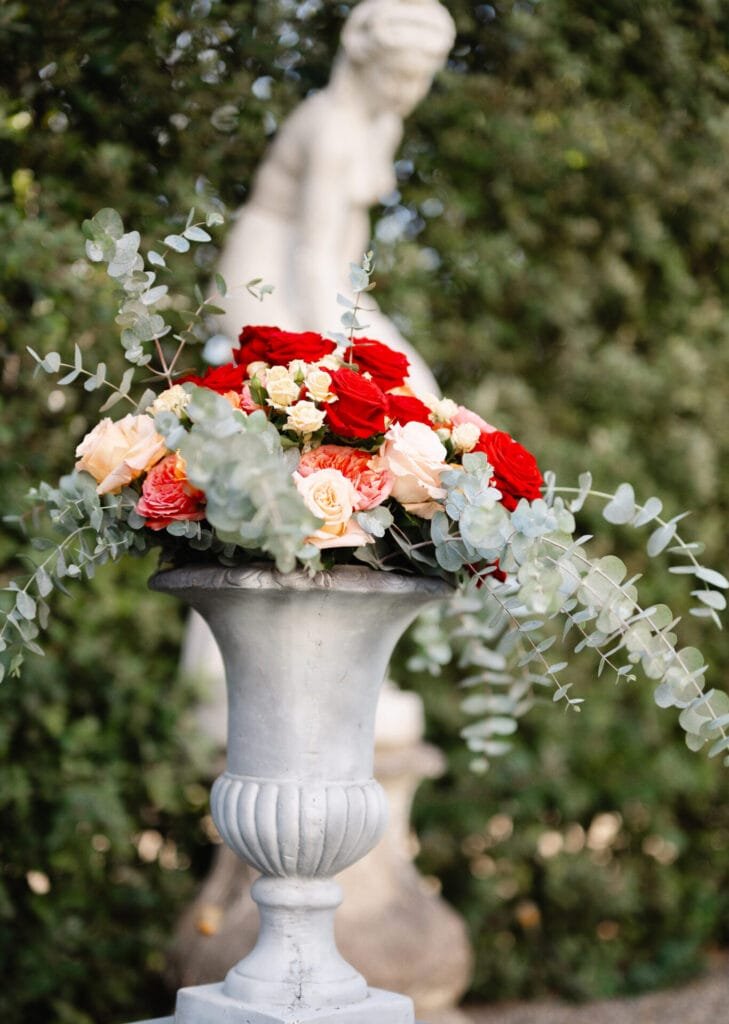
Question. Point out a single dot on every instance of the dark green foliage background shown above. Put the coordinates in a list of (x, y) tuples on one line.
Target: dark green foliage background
[(573, 289)]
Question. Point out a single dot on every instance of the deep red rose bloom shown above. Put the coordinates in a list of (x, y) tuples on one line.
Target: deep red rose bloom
[(360, 407), (274, 346), (222, 379), (167, 495), (516, 472), (405, 408), (387, 367)]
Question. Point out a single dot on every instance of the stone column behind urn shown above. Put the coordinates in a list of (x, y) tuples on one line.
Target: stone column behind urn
[(392, 926)]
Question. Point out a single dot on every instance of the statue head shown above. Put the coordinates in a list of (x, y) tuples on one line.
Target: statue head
[(396, 47)]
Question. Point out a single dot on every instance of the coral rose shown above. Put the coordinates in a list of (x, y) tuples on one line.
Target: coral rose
[(167, 495), (416, 458), (516, 473), (272, 345), (387, 367), (332, 497), (360, 407), (372, 485), (115, 453)]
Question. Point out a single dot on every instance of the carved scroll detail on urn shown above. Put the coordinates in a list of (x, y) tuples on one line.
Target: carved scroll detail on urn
[(286, 830)]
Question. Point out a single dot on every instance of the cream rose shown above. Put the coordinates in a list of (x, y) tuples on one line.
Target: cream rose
[(416, 458), (331, 361), (174, 399), (332, 497), (464, 437), (117, 453), (304, 418), (281, 387), (317, 385), (298, 369), (257, 369), (443, 409)]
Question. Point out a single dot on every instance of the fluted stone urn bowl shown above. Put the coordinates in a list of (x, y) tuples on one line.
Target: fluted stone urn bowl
[(305, 657)]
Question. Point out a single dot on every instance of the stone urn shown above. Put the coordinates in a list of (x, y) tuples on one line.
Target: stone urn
[(304, 659)]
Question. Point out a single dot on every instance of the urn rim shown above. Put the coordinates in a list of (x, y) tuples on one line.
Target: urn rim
[(263, 576)]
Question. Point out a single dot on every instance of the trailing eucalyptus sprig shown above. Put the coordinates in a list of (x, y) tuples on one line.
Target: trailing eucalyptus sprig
[(559, 581)]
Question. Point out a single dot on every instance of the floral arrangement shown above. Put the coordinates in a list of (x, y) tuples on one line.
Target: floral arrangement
[(309, 450)]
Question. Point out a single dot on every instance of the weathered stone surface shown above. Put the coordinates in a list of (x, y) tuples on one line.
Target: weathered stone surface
[(305, 658), (208, 1004)]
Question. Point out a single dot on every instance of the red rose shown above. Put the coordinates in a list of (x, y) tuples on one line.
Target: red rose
[(360, 407), (516, 472), (167, 495), (272, 345), (222, 379), (405, 408), (387, 367)]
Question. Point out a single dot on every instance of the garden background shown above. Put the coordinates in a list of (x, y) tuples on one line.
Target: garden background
[(559, 252)]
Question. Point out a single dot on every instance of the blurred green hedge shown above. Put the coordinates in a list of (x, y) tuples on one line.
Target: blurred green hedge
[(563, 263)]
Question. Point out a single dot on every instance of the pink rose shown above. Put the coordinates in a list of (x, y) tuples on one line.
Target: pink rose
[(464, 415), (117, 453), (247, 402), (167, 495), (372, 484)]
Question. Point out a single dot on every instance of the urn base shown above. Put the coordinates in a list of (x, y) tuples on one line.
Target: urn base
[(208, 1004)]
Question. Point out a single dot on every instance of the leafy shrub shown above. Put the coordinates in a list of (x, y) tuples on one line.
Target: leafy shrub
[(564, 243)]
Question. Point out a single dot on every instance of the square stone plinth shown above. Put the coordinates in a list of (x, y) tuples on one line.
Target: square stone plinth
[(207, 1004)]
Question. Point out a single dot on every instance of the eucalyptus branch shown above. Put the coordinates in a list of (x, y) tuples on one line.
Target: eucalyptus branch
[(676, 657), (560, 688), (623, 509)]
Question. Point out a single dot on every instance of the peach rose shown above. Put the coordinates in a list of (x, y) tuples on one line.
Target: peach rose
[(331, 497), (372, 484), (167, 495), (416, 458), (117, 453)]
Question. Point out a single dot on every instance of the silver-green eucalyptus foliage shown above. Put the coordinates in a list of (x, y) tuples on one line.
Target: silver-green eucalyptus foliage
[(525, 583), (557, 594)]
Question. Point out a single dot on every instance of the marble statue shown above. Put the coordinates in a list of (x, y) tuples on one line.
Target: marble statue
[(308, 214)]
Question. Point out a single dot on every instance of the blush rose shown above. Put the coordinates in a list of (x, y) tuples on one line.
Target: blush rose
[(463, 415), (416, 458)]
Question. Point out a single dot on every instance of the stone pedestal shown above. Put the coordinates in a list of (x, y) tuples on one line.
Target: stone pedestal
[(392, 926), (304, 662)]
